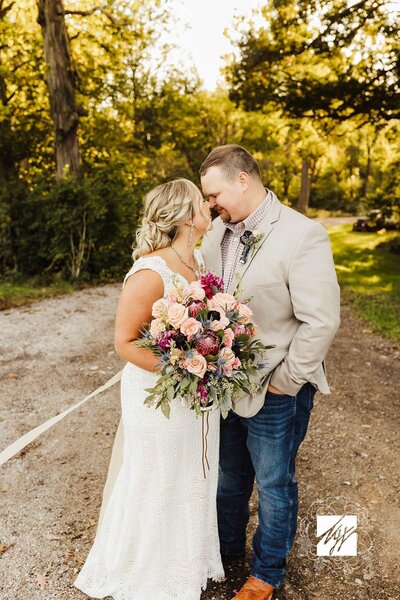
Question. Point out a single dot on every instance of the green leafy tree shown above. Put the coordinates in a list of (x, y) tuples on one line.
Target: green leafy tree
[(330, 59)]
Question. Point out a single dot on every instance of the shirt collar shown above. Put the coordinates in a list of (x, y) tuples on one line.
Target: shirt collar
[(251, 222)]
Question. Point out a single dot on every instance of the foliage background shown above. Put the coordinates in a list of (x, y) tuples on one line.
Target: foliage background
[(312, 92)]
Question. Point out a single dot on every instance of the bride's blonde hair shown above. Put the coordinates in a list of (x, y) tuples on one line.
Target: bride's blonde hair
[(166, 207)]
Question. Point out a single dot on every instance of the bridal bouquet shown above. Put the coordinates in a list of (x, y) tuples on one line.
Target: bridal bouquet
[(206, 344)]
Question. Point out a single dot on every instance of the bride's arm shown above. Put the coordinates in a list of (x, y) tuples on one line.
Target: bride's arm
[(139, 293)]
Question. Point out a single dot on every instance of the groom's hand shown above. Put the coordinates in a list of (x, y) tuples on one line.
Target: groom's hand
[(275, 390)]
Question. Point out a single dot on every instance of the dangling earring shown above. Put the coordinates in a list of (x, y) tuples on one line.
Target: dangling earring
[(190, 237)]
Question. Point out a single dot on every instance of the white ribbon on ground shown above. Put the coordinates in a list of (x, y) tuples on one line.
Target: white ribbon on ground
[(29, 437)]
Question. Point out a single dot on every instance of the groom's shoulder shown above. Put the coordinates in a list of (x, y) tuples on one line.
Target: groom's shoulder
[(296, 221)]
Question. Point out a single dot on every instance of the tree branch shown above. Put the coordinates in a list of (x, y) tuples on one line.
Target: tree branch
[(92, 11), (5, 9)]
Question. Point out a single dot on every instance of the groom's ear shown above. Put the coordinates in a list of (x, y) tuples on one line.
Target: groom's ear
[(244, 180)]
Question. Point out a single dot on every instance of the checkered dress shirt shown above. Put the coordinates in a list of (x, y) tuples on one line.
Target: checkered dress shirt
[(231, 246)]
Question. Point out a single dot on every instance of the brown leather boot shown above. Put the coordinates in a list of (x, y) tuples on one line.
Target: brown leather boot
[(255, 589)]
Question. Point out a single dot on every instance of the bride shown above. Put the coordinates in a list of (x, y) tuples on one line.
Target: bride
[(158, 538)]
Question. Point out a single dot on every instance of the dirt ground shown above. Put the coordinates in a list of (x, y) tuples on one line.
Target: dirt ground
[(55, 352)]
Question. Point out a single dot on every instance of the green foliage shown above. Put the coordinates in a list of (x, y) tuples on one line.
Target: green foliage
[(333, 60), (90, 225), (369, 276), (144, 122)]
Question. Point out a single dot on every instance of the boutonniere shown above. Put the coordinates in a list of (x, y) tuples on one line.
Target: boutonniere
[(251, 241)]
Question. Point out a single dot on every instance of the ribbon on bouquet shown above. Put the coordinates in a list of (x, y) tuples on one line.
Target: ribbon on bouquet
[(204, 442), (29, 437)]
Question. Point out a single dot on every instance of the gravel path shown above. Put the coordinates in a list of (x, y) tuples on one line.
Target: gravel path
[(55, 352)]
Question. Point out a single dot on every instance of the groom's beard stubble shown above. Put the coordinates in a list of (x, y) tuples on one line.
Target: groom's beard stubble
[(223, 214)]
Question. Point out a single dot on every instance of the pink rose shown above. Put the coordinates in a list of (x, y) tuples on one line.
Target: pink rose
[(159, 308), (177, 313), (229, 336), (229, 357), (156, 327), (190, 327), (245, 313), (216, 325), (236, 363), (239, 329), (177, 292), (225, 301), (195, 364), (195, 291)]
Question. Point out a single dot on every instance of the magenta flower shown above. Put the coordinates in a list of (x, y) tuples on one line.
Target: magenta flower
[(164, 341), (211, 283), (202, 392)]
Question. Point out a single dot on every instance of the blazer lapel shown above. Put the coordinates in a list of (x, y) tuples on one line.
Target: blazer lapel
[(265, 227)]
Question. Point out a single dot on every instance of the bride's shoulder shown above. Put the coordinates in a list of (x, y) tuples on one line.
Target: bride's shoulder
[(160, 252), (151, 262)]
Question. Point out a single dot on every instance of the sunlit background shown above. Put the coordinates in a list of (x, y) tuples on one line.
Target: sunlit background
[(200, 33), (148, 87)]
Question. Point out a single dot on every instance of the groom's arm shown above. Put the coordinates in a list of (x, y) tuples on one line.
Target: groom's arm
[(315, 296)]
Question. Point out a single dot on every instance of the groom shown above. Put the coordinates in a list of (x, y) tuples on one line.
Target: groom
[(285, 263)]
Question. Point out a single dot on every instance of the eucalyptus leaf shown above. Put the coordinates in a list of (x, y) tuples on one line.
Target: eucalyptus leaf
[(166, 409)]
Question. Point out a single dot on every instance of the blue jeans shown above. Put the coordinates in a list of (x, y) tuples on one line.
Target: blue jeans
[(264, 447)]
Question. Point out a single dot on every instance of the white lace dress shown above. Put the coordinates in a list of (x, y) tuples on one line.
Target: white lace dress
[(158, 539)]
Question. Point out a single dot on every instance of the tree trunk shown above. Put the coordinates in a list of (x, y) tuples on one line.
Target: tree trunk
[(8, 176), (304, 195), (286, 180), (367, 172), (8, 167), (61, 83)]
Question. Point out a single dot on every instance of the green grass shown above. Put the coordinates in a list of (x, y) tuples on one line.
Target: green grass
[(369, 277), (19, 293)]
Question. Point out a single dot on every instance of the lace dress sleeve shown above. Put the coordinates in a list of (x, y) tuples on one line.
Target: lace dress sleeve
[(155, 263)]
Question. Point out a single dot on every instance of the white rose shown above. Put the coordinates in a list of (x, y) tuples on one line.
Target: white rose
[(245, 314), (156, 327), (159, 308), (225, 301), (177, 313)]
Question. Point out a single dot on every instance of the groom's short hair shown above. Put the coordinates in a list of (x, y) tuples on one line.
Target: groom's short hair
[(232, 159)]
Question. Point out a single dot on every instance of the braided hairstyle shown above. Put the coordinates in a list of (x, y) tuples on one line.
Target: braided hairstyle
[(166, 207)]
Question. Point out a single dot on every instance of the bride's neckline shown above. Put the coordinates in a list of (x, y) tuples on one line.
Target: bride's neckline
[(169, 268)]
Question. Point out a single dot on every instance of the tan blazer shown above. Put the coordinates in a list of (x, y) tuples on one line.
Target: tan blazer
[(296, 299)]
